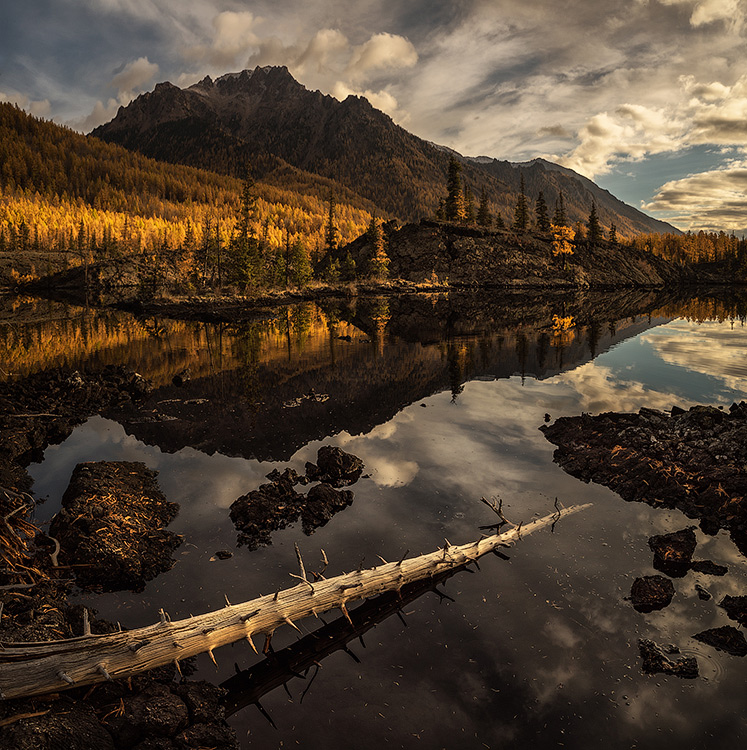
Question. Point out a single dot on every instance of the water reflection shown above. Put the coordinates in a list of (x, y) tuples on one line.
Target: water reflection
[(441, 398)]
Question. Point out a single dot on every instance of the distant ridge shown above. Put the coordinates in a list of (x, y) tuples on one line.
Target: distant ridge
[(264, 117)]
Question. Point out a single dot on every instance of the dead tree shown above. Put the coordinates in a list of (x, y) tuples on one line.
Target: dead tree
[(37, 668)]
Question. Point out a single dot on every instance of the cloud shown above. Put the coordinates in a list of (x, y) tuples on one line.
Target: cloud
[(128, 82), (711, 11), (100, 114), (132, 77), (382, 100), (631, 132), (381, 52), (38, 108), (706, 113), (233, 37), (711, 200)]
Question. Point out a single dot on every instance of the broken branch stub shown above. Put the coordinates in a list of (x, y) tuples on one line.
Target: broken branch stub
[(37, 668)]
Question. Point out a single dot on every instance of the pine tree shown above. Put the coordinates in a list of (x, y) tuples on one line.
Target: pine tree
[(441, 210), (559, 218), (378, 260), (543, 222), (331, 236), (469, 206), (347, 268), (521, 213), (499, 223), (484, 219), (300, 264), (454, 207), (613, 234), (595, 231), (244, 262)]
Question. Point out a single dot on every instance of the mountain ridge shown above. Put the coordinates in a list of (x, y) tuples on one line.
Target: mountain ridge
[(225, 123)]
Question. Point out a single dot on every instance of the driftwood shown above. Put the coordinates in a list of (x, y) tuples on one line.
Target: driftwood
[(248, 686), (36, 668)]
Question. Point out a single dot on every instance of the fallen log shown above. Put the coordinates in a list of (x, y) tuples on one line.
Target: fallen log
[(36, 668)]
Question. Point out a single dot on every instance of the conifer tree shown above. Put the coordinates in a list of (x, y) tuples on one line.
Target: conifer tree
[(499, 223), (542, 222), (469, 206), (347, 268), (300, 264), (521, 213), (441, 210), (331, 236), (613, 234), (559, 218), (484, 219), (244, 262), (378, 262), (595, 231), (454, 207)]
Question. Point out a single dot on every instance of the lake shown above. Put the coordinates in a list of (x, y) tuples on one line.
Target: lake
[(441, 397)]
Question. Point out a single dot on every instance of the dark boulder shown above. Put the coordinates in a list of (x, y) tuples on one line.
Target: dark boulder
[(272, 506), (655, 661), (651, 593), (726, 638), (111, 526), (673, 552), (322, 502), (736, 608), (335, 467)]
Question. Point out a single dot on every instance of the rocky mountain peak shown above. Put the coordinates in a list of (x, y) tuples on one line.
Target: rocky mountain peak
[(250, 115)]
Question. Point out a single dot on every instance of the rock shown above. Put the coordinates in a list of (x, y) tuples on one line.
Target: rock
[(270, 507), (204, 701), (726, 638), (703, 594), (736, 608), (656, 661), (288, 475), (693, 460), (322, 502), (182, 378), (224, 554), (651, 593), (154, 712), (275, 505), (111, 525), (75, 727), (202, 736), (708, 568), (673, 552), (336, 467), (139, 385)]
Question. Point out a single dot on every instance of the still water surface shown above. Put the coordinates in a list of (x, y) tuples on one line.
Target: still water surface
[(442, 400)]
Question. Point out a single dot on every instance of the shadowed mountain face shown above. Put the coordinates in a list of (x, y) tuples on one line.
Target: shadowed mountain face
[(265, 118)]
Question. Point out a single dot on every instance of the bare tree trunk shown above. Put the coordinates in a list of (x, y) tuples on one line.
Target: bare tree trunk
[(36, 668)]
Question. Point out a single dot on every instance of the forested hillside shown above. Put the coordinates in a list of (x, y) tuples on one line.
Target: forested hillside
[(79, 198)]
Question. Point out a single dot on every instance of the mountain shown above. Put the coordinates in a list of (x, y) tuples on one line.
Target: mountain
[(265, 118)]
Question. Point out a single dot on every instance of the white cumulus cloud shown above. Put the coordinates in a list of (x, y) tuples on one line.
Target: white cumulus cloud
[(38, 108)]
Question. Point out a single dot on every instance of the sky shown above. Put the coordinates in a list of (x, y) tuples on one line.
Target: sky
[(646, 97)]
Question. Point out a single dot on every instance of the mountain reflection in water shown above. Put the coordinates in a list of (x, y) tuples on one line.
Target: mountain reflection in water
[(539, 651)]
